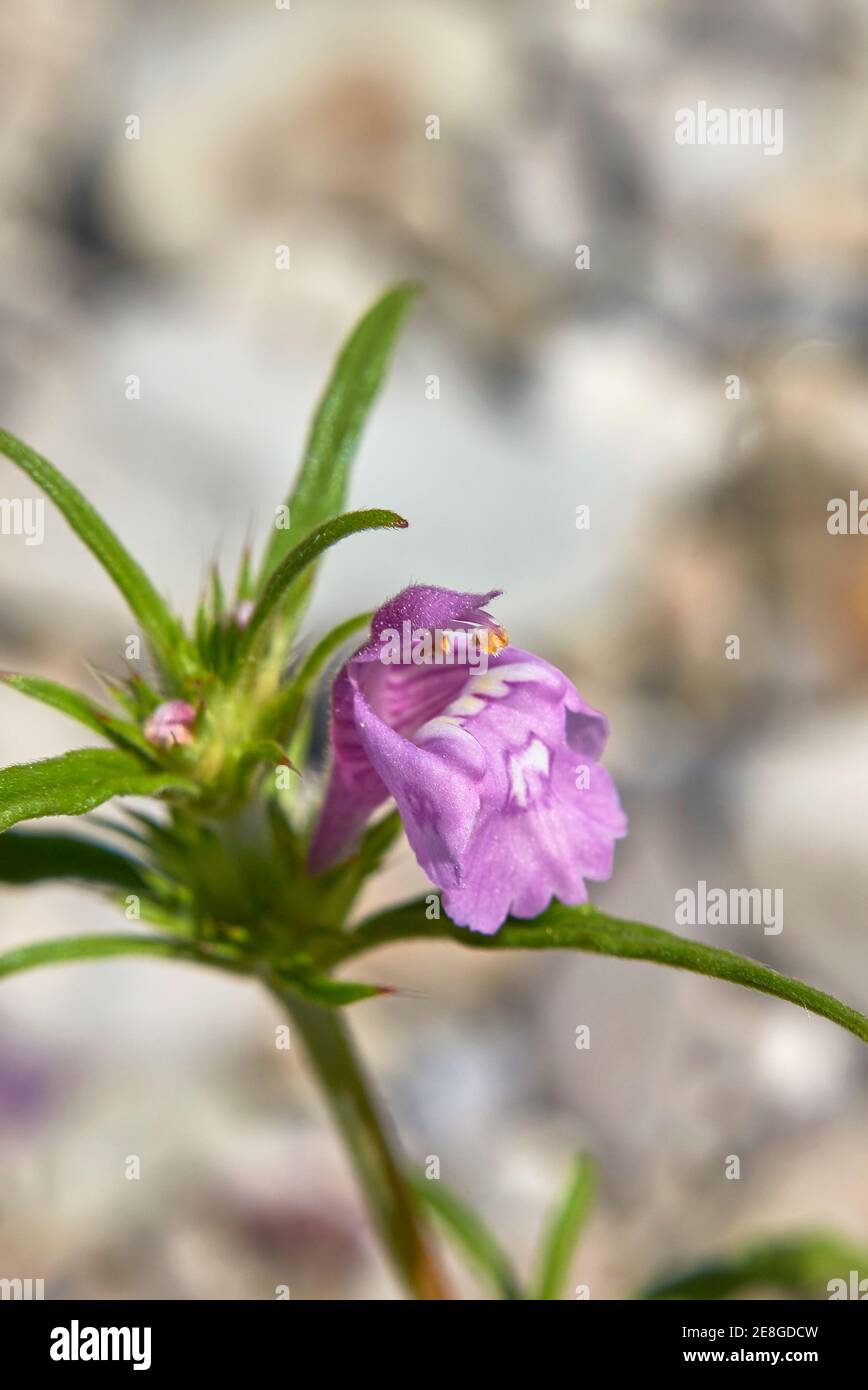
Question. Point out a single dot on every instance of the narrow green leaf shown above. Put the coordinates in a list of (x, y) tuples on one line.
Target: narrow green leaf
[(147, 698), (243, 577), (218, 602), (471, 1234), (587, 929), (337, 890), (321, 487), (299, 559), (69, 948), (162, 629), (283, 711), (76, 782), (803, 1265), (376, 842), (120, 827), (257, 758), (563, 1230), (322, 989), (127, 694), (28, 856), (81, 708)]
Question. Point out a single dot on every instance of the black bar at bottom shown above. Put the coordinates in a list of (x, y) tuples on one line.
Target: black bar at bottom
[(74, 1338)]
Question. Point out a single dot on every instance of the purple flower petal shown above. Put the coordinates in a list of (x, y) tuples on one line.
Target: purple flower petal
[(494, 772)]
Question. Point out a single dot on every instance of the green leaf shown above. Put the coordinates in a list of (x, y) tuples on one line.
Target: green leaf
[(298, 560), (588, 929), (243, 577), (321, 487), (76, 782), (802, 1265), (81, 708), (69, 948), (132, 695), (471, 1235), (257, 757), (338, 888), (283, 711), (563, 1230), (217, 598), (28, 856), (376, 842), (163, 630), (322, 989)]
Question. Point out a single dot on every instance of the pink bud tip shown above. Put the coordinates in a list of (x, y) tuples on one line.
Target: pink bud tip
[(244, 612), (170, 724)]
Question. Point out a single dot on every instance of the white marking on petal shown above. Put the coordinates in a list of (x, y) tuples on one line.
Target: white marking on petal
[(494, 684), (529, 767), (465, 705), (443, 726), (462, 750)]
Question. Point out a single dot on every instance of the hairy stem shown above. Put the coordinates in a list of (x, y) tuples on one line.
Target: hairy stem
[(371, 1148)]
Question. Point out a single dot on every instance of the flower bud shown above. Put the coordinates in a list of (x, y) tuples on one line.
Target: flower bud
[(170, 724)]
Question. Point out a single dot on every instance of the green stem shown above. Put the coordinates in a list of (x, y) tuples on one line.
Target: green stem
[(370, 1146)]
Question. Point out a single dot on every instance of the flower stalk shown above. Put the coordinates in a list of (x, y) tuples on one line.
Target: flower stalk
[(371, 1147)]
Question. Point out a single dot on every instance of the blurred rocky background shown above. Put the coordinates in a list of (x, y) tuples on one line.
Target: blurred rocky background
[(558, 387)]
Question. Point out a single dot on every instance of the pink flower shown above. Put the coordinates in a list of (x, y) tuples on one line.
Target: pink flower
[(493, 762)]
